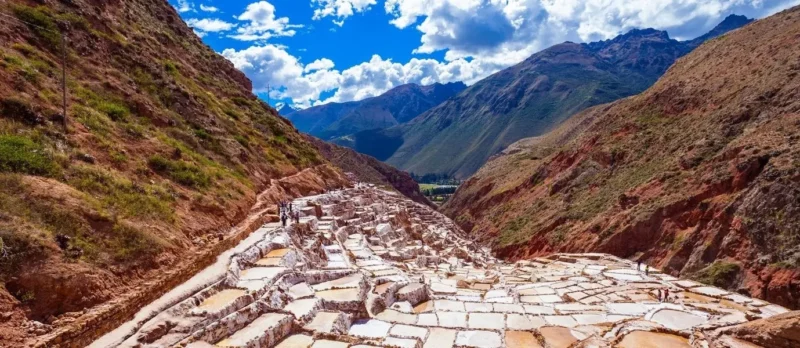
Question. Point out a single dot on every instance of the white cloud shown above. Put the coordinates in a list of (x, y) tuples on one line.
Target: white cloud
[(208, 8), (262, 23), (479, 37), (271, 65), (184, 6), (340, 9), (210, 24)]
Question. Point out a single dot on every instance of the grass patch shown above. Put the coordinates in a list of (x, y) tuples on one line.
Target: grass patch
[(123, 197), (40, 20), (720, 274), (20, 154), (182, 172)]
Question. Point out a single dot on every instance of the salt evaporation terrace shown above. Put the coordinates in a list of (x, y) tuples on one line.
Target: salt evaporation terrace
[(366, 267)]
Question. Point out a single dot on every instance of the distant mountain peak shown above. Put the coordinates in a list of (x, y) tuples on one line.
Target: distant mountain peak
[(284, 109)]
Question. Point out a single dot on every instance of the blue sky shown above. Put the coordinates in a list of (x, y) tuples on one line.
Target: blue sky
[(318, 51)]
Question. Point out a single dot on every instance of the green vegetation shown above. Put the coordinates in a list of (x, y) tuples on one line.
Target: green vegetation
[(720, 274), (40, 20), (20, 154), (112, 106), (123, 197), (513, 231), (182, 172)]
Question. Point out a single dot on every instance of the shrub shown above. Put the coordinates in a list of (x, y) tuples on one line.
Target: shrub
[(720, 274), (171, 67), (19, 154), (115, 111), (123, 196), (181, 172)]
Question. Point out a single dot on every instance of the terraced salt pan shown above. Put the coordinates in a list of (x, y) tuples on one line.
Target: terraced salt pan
[(385, 271)]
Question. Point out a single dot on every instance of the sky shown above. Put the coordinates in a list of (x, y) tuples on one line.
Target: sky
[(310, 52)]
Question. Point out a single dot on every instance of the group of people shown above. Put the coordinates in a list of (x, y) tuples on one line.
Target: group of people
[(287, 212), (663, 296)]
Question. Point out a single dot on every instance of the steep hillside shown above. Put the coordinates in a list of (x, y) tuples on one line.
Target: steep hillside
[(165, 150), (525, 100), (699, 175), (397, 106), (369, 169)]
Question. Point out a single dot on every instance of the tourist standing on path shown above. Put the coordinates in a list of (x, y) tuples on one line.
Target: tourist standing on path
[(283, 219), (666, 295), (659, 295), (646, 269), (639, 266)]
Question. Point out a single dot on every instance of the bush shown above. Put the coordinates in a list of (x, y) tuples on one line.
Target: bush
[(19, 154), (115, 111), (720, 274), (181, 172), (120, 194)]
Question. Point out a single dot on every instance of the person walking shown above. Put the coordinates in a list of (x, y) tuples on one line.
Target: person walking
[(666, 295), (283, 219), (646, 269), (659, 294), (639, 266)]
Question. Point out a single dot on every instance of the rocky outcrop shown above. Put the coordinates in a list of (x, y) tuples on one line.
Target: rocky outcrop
[(697, 175)]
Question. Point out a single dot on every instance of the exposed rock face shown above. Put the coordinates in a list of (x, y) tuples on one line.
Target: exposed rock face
[(378, 269), (698, 175)]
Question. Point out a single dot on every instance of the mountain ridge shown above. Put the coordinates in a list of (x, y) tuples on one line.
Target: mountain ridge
[(396, 106), (529, 98), (696, 175)]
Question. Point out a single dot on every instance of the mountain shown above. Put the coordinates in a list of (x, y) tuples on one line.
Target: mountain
[(698, 175), (369, 169), (163, 160), (285, 109), (528, 99), (397, 106)]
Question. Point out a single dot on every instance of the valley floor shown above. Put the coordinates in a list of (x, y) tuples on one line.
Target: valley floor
[(368, 267)]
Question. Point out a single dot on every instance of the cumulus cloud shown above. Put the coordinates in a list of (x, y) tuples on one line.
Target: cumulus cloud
[(271, 65), (492, 29), (207, 25), (184, 6), (205, 8), (340, 9), (478, 37), (262, 23)]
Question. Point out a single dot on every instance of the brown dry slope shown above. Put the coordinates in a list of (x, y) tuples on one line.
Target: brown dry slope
[(368, 169), (699, 175), (166, 150)]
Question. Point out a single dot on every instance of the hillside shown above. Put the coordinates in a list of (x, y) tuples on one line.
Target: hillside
[(165, 153), (396, 106), (698, 175), (370, 170), (528, 99)]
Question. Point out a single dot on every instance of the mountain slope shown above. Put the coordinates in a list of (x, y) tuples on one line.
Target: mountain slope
[(285, 110), (397, 106), (369, 169), (528, 99), (165, 150), (697, 175)]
